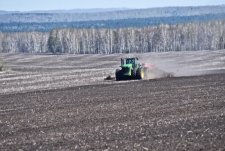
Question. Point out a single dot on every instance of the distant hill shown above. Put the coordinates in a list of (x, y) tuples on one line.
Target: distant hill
[(120, 23), (3, 12), (105, 14), (45, 21), (94, 10)]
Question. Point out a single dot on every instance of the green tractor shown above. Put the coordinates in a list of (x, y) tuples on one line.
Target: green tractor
[(130, 69)]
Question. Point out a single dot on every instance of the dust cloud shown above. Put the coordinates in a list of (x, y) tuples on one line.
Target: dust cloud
[(179, 64), (156, 73)]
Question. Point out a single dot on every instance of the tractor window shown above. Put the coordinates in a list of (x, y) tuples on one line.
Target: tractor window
[(130, 61)]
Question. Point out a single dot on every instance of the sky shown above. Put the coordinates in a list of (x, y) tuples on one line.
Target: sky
[(27, 5)]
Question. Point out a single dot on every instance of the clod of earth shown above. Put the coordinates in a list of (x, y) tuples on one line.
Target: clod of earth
[(110, 78)]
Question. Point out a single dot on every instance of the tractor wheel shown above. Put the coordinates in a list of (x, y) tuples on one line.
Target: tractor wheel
[(140, 73), (118, 75), (133, 74)]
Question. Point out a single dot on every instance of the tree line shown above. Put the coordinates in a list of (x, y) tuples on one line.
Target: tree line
[(182, 37)]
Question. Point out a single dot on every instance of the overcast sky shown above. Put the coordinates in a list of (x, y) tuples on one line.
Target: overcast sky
[(24, 5)]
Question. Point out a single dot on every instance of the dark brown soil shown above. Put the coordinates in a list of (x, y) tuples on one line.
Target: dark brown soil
[(185, 113)]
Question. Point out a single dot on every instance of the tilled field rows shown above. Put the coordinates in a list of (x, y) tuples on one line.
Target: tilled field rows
[(185, 113), (38, 72), (38, 81), (29, 72)]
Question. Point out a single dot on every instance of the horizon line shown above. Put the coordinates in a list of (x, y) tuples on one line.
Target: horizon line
[(116, 8)]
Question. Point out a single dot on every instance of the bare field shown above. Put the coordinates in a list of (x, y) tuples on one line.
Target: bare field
[(61, 102), (27, 72)]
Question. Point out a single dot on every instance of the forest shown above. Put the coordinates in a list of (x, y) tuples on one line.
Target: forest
[(208, 35)]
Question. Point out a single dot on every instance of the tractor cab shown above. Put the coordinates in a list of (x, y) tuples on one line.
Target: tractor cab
[(129, 62), (127, 65)]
